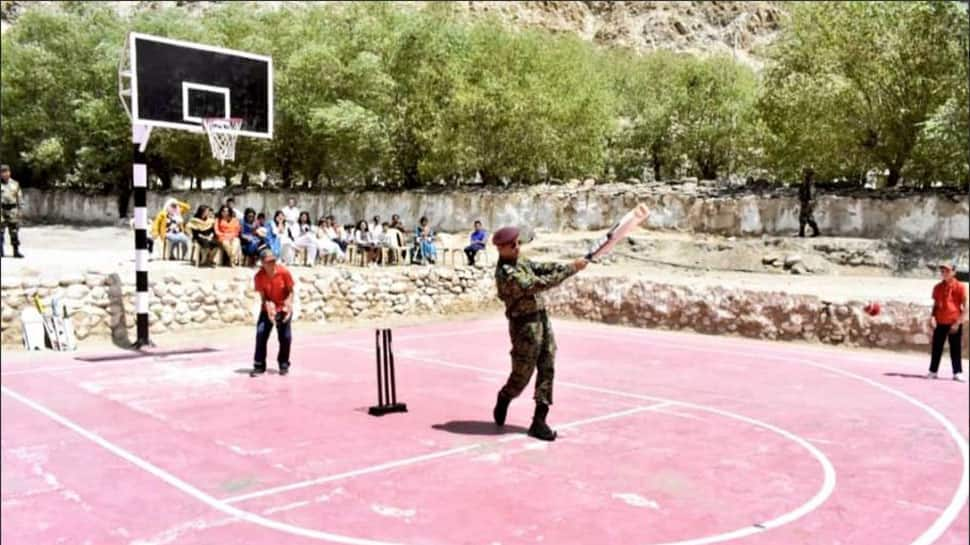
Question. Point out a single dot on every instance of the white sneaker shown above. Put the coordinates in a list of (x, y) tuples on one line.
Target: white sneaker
[(959, 377), (931, 375)]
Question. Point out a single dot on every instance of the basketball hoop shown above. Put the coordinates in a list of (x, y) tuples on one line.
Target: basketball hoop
[(222, 132)]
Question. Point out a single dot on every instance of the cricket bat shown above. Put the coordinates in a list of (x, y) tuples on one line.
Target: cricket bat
[(63, 325), (48, 323), (618, 232), (33, 325)]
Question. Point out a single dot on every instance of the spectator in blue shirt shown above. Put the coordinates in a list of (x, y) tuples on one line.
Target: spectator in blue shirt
[(477, 240)]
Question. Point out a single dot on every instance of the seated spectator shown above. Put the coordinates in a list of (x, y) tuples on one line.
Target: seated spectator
[(303, 237), (376, 228), (178, 241), (396, 224), (291, 212), (477, 240), (231, 204), (278, 235), (335, 233), (325, 243), (227, 233), (250, 241), (366, 242), (262, 240), (348, 233), (394, 240), (424, 243), (202, 229), (159, 228)]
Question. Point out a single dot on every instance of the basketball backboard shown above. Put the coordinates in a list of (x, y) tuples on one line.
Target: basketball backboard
[(176, 84)]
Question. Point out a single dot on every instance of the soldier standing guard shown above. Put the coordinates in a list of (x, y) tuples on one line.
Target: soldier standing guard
[(519, 282), (10, 200), (806, 196)]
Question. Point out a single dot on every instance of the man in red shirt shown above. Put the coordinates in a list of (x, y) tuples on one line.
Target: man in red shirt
[(949, 312), (274, 284)]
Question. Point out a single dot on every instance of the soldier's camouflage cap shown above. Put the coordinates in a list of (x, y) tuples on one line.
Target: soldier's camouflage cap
[(505, 235)]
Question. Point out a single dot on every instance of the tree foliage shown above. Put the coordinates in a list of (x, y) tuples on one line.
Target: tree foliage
[(403, 96), (855, 86)]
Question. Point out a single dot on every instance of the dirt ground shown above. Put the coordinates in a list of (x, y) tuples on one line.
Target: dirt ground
[(834, 269)]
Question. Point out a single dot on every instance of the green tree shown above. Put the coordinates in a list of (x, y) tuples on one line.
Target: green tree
[(646, 98), (528, 102), (851, 85), (422, 65), (713, 113), (59, 123)]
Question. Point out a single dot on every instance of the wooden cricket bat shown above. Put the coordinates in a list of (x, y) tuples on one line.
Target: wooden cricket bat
[(618, 232)]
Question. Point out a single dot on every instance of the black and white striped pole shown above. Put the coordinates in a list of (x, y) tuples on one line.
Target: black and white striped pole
[(139, 182)]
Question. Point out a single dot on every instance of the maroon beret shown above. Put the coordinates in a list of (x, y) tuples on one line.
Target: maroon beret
[(505, 235)]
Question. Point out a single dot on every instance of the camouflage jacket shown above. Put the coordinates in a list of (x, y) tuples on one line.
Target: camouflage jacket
[(519, 284), (10, 192), (807, 193)]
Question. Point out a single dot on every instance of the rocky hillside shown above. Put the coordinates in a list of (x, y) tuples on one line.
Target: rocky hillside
[(739, 28), (742, 28)]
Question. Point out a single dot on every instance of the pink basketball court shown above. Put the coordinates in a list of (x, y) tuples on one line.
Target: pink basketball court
[(664, 438)]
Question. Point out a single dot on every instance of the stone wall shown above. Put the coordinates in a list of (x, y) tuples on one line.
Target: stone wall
[(686, 207), (760, 315), (102, 305)]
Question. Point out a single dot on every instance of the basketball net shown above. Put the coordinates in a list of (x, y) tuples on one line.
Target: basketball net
[(222, 132)]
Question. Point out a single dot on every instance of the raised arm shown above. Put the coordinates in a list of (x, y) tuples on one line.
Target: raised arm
[(530, 282)]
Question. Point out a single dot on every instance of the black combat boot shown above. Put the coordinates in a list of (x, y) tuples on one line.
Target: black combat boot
[(501, 408), (539, 429), (16, 251)]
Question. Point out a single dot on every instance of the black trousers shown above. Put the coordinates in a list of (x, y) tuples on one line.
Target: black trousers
[(470, 252), (283, 333), (940, 336)]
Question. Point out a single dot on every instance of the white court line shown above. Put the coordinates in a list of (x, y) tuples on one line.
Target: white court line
[(680, 415), (419, 459), (828, 471), (928, 537), (960, 496), (233, 352), (185, 487)]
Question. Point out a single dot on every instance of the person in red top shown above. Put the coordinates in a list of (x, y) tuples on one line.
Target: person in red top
[(274, 284), (227, 233), (949, 312)]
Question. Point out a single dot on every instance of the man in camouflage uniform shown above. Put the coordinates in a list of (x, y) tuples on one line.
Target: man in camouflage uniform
[(519, 282), (806, 196), (10, 199)]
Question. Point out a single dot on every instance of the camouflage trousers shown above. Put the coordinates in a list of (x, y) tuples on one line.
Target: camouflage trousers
[(806, 213), (533, 347), (10, 220)]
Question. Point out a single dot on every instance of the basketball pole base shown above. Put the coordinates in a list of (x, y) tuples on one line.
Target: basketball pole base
[(381, 410), (138, 345)]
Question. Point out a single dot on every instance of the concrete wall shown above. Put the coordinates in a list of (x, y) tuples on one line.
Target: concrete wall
[(916, 218)]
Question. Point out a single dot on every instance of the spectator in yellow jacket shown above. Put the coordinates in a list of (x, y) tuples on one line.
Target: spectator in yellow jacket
[(160, 226)]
